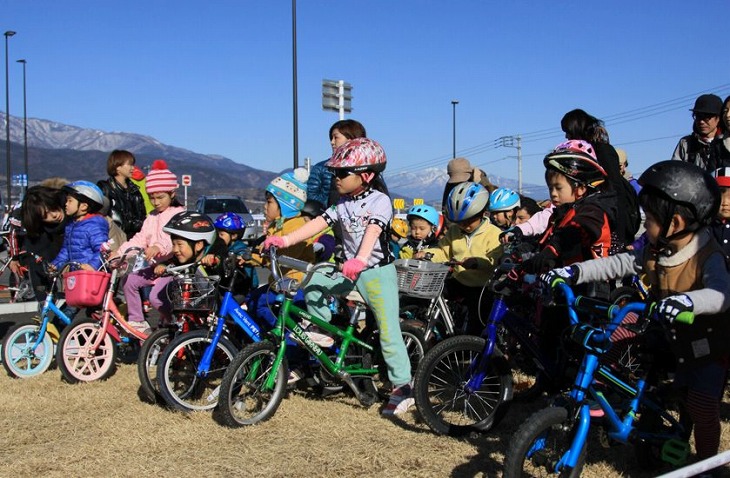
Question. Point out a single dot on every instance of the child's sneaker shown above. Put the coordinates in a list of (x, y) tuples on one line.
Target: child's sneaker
[(142, 327), (401, 399)]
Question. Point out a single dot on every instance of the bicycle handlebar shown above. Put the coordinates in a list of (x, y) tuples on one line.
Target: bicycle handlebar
[(308, 268)]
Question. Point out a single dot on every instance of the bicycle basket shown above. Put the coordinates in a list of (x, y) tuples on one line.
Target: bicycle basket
[(193, 294), (85, 288), (421, 279)]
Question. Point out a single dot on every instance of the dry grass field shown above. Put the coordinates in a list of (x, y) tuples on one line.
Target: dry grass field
[(103, 429)]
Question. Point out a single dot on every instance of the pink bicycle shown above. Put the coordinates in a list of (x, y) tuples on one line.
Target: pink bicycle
[(87, 349)]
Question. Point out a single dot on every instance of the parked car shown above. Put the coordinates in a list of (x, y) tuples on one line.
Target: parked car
[(214, 206)]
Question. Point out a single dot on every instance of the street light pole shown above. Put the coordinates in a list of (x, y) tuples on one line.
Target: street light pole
[(25, 132), (8, 34), (294, 81), (453, 107)]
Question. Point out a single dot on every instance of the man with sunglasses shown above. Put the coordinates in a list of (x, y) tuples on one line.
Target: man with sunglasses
[(696, 147)]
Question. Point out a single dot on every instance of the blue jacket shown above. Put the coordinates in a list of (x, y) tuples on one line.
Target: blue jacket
[(82, 241), (319, 184)]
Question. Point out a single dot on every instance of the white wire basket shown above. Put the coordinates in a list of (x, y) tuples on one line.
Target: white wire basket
[(193, 294), (422, 279)]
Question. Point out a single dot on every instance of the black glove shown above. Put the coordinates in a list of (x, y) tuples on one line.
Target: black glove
[(569, 275), (669, 308), (542, 262), (510, 235)]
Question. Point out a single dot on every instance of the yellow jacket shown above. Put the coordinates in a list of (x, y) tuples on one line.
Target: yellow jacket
[(303, 250), (482, 244)]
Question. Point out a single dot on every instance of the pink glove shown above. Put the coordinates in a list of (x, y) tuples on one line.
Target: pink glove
[(276, 241), (352, 268)]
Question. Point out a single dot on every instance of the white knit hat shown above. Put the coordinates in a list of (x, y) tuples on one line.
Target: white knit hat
[(160, 179)]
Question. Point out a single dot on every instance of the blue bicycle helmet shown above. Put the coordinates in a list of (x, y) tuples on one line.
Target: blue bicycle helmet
[(230, 222), (466, 201), (503, 199), (427, 213), (88, 192)]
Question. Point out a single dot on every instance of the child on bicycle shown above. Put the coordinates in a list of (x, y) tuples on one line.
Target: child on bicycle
[(193, 238), (285, 198), (364, 213), (503, 206), (473, 242), (230, 228), (686, 271), (161, 186), (423, 223), (87, 231), (398, 233)]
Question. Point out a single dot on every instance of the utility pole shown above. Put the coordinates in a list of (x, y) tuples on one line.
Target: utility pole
[(514, 142)]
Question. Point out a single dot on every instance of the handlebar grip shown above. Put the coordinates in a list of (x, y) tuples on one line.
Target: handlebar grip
[(685, 318), (293, 263), (591, 306)]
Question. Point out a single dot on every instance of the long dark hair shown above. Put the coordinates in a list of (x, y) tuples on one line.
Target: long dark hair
[(577, 124), (37, 201)]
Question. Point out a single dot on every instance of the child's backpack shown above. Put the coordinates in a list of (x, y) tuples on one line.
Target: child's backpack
[(628, 203)]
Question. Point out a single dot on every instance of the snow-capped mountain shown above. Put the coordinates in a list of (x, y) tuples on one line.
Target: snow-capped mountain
[(57, 149)]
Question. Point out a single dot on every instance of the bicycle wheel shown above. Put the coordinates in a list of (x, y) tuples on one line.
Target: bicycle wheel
[(244, 401), (415, 343), (149, 357), (182, 387), (440, 387), (20, 359), (527, 380), (79, 364), (540, 443)]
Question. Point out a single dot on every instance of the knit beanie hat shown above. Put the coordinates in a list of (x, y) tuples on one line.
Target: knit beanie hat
[(160, 179), (290, 191)]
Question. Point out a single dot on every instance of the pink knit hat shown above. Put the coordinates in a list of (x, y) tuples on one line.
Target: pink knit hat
[(160, 179)]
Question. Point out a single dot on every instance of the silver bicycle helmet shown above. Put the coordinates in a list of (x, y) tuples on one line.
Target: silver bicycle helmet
[(466, 201)]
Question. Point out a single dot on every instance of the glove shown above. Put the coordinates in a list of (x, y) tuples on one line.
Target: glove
[(276, 241), (669, 308), (510, 235), (542, 262), (568, 274), (352, 268)]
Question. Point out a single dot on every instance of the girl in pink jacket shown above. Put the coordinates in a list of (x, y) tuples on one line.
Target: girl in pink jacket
[(161, 187)]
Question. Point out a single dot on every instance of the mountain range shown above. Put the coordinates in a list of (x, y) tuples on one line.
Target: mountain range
[(56, 149)]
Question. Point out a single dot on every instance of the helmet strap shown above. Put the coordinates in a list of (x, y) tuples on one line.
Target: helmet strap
[(367, 177)]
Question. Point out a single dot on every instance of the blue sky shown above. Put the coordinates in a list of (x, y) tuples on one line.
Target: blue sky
[(216, 76)]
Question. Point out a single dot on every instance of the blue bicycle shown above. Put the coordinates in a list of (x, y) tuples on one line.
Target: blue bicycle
[(191, 367), (553, 441), (28, 349)]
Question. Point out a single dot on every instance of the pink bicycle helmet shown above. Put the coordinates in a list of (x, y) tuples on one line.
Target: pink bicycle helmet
[(359, 155), (576, 159)]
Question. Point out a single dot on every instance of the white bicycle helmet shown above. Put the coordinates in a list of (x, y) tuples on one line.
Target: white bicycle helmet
[(466, 201), (88, 192)]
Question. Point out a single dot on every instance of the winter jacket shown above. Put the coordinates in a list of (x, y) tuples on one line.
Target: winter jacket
[(412, 246), (319, 184), (482, 244), (692, 149), (127, 205), (82, 241), (721, 231), (152, 234)]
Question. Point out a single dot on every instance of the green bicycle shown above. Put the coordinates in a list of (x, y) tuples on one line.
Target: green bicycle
[(255, 382)]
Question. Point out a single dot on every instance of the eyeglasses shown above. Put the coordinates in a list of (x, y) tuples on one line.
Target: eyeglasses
[(342, 173), (703, 116)]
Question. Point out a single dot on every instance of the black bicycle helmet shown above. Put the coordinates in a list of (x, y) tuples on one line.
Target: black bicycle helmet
[(576, 159), (192, 226), (682, 184)]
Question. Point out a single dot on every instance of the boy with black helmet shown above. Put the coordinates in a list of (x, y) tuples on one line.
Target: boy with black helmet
[(472, 240), (87, 231), (686, 271)]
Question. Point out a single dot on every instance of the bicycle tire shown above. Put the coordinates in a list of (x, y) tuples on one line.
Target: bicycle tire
[(549, 426), (149, 356), (413, 337), (439, 391), (18, 359), (74, 363), (242, 401), (177, 378)]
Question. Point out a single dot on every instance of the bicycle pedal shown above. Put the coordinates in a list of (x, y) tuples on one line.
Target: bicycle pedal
[(675, 452), (331, 389), (603, 438)]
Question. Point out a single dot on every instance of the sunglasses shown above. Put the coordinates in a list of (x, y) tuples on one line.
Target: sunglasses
[(342, 173), (703, 116)]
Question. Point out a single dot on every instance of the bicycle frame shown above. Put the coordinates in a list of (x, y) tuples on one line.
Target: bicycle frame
[(594, 341)]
